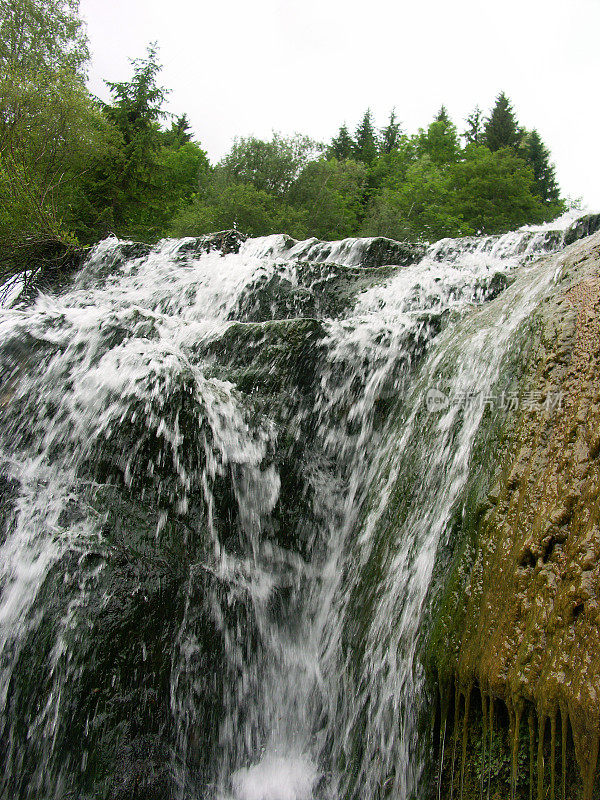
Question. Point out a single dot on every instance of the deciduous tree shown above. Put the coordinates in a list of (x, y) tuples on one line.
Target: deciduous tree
[(42, 34), (494, 191), (330, 193), (268, 166)]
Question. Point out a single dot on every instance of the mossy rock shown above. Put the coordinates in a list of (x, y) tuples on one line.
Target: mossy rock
[(518, 615)]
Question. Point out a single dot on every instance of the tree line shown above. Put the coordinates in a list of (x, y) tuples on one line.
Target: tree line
[(74, 169), (493, 177)]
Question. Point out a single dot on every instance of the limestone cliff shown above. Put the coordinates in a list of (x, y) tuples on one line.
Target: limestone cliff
[(520, 621)]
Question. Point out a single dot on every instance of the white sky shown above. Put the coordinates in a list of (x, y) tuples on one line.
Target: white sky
[(248, 67)]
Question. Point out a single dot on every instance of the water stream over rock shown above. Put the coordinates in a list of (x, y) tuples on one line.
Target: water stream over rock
[(225, 473)]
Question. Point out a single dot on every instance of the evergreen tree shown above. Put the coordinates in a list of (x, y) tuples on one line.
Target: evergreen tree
[(538, 156), (474, 133), (137, 111), (390, 135), (440, 140), (502, 129), (443, 116), (342, 145), (365, 145), (180, 132), (133, 181), (137, 103)]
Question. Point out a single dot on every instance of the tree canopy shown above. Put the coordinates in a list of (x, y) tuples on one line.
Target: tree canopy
[(501, 128), (269, 166), (49, 124), (73, 169), (42, 34), (365, 142), (544, 176)]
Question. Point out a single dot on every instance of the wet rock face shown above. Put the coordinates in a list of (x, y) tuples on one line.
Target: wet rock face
[(315, 290), (382, 251), (52, 266), (117, 606), (222, 241), (116, 683), (521, 620), (585, 226)]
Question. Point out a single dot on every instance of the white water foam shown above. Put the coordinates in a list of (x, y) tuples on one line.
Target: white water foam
[(276, 777), (118, 345)]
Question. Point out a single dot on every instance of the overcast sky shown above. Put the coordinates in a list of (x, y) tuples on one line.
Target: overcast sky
[(248, 67)]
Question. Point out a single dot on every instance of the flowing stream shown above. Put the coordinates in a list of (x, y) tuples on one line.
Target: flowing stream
[(226, 468)]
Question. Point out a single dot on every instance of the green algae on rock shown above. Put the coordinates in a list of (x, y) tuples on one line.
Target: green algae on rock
[(519, 619)]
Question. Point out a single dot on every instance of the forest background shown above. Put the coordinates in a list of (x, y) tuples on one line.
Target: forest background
[(74, 169)]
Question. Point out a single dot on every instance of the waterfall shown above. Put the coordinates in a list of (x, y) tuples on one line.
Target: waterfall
[(225, 474)]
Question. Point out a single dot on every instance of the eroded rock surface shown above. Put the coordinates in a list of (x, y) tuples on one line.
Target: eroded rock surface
[(521, 620)]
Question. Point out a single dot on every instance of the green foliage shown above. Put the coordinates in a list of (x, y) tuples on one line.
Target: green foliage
[(179, 133), (138, 102), (148, 175), (386, 216), (238, 206), (544, 176), (330, 192), (484, 192), (342, 146), (494, 191), (440, 141), (388, 171), (502, 129), (72, 169), (183, 169), (48, 123), (325, 201), (195, 220), (42, 35), (249, 189), (365, 140), (391, 134), (268, 166), (474, 132), (442, 115), (136, 113), (49, 131), (422, 207)]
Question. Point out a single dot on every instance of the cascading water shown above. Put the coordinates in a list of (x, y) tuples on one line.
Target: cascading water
[(223, 487)]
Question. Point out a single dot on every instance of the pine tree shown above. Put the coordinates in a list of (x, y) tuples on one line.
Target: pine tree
[(390, 135), (443, 116), (474, 133), (136, 112), (137, 106), (502, 129), (180, 132), (342, 145), (365, 146), (538, 156)]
